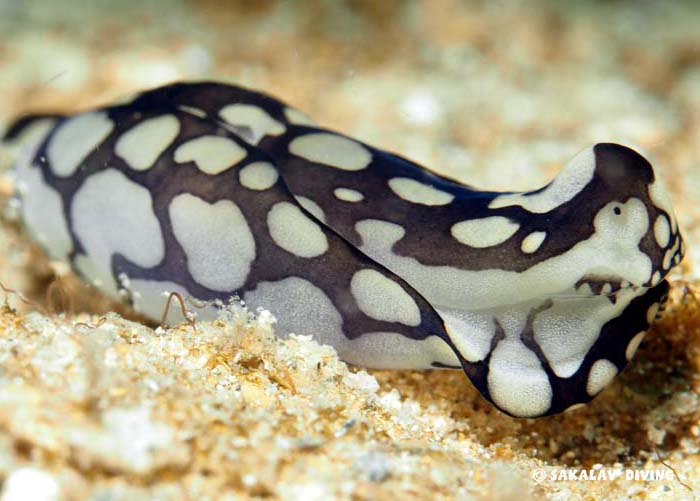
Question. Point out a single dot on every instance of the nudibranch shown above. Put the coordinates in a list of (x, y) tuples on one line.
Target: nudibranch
[(215, 191)]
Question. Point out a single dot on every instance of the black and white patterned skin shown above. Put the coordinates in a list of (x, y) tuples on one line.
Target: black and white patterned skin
[(213, 190)]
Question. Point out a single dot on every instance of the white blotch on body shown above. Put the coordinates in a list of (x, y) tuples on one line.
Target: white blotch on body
[(601, 374), (141, 145), (300, 308), (659, 197), (585, 317), (569, 183), (651, 313), (253, 117), (485, 232), (662, 231), (294, 232), (533, 241), (348, 195), (390, 350), (419, 193), (667, 260), (381, 298), (470, 331), (212, 154), (33, 133), (633, 345), (312, 207), (296, 117), (575, 407), (123, 222), (217, 240), (29, 139), (258, 176), (75, 139), (42, 212), (516, 381), (655, 279), (332, 150), (193, 111), (670, 254)]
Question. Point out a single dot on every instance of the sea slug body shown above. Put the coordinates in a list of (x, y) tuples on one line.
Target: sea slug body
[(214, 191)]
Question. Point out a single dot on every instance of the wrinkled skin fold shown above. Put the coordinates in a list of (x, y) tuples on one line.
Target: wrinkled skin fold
[(214, 191)]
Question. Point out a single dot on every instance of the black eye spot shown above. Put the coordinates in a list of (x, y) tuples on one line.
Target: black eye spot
[(617, 211)]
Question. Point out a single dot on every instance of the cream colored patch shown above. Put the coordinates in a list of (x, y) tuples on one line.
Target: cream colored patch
[(212, 154), (294, 232), (601, 374), (296, 117), (419, 193), (676, 246), (300, 308), (485, 232), (122, 222), (42, 212), (666, 263), (141, 145), (332, 150), (390, 350), (97, 275), (470, 331), (378, 231), (575, 407), (217, 240), (670, 254), (569, 183), (634, 343), (31, 137), (253, 117), (516, 381), (348, 195), (75, 139), (662, 231), (533, 241), (312, 207), (586, 317), (258, 176), (659, 196), (655, 279), (381, 298), (193, 111), (125, 99), (651, 313)]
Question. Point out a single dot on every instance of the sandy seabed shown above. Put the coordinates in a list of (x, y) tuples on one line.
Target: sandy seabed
[(500, 94)]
